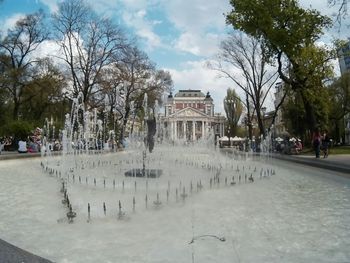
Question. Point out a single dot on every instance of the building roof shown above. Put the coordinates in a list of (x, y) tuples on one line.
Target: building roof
[(208, 97), (189, 93)]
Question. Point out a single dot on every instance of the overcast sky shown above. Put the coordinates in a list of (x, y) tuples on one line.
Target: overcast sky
[(178, 35)]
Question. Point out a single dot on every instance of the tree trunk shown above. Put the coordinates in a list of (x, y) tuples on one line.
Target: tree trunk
[(261, 124), (15, 112), (309, 112), (125, 121), (249, 122)]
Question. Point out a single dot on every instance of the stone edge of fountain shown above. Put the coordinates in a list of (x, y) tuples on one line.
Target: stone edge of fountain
[(12, 253)]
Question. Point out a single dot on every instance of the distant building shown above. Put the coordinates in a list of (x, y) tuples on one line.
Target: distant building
[(190, 115), (344, 58)]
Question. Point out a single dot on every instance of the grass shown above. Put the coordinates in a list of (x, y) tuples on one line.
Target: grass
[(332, 150), (340, 150)]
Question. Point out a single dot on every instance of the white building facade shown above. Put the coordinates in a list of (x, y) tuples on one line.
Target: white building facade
[(189, 115)]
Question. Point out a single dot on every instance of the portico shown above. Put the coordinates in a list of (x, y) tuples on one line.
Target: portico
[(190, 116)]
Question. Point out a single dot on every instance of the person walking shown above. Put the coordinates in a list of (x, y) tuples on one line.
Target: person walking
[(325, 144), (316, 142)]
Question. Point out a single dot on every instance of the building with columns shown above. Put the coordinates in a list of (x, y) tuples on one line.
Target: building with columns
[(189, 115)]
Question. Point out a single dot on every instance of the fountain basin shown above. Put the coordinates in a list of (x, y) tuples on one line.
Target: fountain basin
[(300, 214), (147, 173)]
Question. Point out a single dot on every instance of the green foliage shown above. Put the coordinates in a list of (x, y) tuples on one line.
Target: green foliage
[(289, 33), (43, 95), (17, 129), (17, 62), (32, 89), (5, 106), (340, 150), (340, 96), (294, 115), (233, 108), (282, 24), (294, 112)]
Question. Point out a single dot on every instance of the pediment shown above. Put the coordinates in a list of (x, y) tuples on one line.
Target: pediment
[(189, 112)]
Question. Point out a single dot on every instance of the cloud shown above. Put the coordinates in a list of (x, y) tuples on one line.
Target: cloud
[(143, 28), (196, 75), (51, 4), (201, 24), (189, 43), (337, 31), (206, 44), (10, 22), (135, 4), (49, 48), (196, 15)]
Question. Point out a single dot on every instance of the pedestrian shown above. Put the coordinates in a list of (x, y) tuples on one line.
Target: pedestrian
[(325, 144), (316, 142), (298, 146), (22, 146), (2, 144)]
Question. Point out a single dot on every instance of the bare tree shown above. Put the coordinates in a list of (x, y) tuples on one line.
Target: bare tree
[(243, 60), (128, 84), (88, 43), (160, 82), (17, 57), (342, 12)]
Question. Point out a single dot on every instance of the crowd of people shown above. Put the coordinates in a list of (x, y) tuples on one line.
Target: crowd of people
[(32, 144), (289, 146), (6, 143), (24, 144)]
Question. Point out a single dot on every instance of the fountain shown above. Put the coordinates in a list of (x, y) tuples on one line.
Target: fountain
[(149, 133), (205, 206)]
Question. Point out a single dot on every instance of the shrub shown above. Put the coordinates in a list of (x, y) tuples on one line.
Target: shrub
[(17, 129)]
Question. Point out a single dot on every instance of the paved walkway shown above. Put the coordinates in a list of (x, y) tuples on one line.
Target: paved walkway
[(8, 155), (339, 163)]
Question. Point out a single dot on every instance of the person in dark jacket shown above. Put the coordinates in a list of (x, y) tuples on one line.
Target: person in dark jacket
[(316, 142), (325, 144)]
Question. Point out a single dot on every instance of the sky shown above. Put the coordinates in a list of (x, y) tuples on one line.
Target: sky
[(180, 36)]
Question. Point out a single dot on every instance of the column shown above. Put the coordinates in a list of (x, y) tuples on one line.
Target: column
[(172, 129), (184, 128), (203, 129), (193, 130), (175, 124)]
